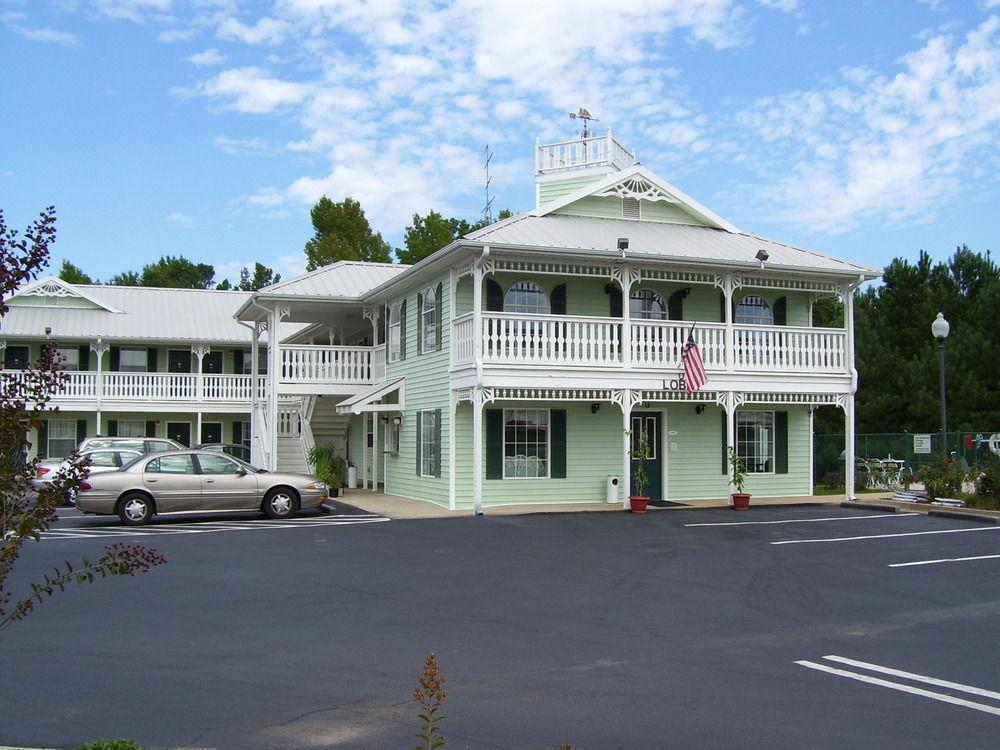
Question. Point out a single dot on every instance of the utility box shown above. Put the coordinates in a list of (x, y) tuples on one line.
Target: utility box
[(614, 483)]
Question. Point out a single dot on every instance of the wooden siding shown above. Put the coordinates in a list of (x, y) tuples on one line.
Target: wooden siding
[(609, 207), (427, 387), (549, 192)]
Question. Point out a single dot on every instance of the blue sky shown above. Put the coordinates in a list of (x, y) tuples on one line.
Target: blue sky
[(208, 128)]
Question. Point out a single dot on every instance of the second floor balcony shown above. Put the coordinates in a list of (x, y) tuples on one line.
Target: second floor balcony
[(597, 342)]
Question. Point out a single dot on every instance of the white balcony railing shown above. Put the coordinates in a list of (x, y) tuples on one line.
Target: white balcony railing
[(581, 154), (309, 364), (152, 386), (568, 340)]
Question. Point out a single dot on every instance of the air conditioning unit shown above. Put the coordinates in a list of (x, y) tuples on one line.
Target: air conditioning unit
[(614, 483)]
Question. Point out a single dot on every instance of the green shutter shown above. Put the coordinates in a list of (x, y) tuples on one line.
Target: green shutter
[(419, 432), (557, 301), (494, 443), (675, 305), (722, 307), (151, 359), (780, 311), (437, 442), (615, 301), (116, 358), (725, 445), (238, 433), (420, 323), (150, 428), (112, 428), (494, 296), (557, 423), (84, 356), (438, 305), (43, 439), (781, 442), (81, 430), (402, 330), (238, 362)]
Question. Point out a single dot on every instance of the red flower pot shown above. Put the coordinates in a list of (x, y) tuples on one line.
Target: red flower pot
[(741, 501), (637, 503)]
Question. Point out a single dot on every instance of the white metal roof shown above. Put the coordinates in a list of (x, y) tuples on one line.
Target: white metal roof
[(680, 242), (142, 314), (346, 279)]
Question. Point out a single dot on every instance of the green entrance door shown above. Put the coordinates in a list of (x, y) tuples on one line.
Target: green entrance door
[(648, 423)]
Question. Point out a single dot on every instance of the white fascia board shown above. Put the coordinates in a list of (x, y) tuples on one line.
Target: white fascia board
[(429, 266), (71, 288), (683, 199)]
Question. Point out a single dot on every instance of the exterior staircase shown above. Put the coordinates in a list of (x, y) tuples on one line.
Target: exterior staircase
[(328, 426), (325, 425), (291, 457)]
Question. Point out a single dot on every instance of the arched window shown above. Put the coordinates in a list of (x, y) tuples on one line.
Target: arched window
[(645, 304), (526, 297), (395, 319), (428, 320), (753, 310)]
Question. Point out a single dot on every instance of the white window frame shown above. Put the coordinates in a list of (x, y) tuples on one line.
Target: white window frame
[(122, 367), (515, 299), (131, 428), (428, 442), (390, 443), (70, 357), (645, 296), (54, 426), (751, 303), (428, 320), (548, 442), (759, 443), (245, 437), (395, 327)]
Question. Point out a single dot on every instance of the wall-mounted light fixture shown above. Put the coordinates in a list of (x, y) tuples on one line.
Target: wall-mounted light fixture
[(623, 243), (594, 408), (762, 255), (699, 409), (48, 331), (397, 421)]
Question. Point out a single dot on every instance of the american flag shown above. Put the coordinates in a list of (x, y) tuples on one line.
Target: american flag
[(694, 368)]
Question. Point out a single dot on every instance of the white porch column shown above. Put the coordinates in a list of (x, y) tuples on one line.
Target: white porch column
[(452, 424), (730, 407), (199, 353), (375, 451), (478, 400), (849, 447), (626, 399), (255, 457), (364, 450), (628, 278), (99, 348), (729, 284), (274, 376), (477, 313)]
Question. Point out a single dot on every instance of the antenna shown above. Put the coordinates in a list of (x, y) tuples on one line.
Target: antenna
[(587, 119), (488, 208)]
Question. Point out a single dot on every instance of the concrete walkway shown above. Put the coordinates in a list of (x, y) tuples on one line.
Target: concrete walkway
[(397, 507)]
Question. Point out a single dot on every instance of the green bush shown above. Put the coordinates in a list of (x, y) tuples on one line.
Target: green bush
[(942, 477), (987, 477), (327, 465), (110, 745)]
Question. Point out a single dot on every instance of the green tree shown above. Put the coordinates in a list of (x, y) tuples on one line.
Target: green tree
[(73, 274), (428, 234), (341, 232), (262, 276), (177, 273), (125, 278)]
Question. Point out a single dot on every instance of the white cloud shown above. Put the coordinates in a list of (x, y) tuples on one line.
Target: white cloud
[(883, 148), (209, 58), (265, 31), (786, 6), (252, 90), (180, 219), (243, 146), (137, 11), (45, 34)]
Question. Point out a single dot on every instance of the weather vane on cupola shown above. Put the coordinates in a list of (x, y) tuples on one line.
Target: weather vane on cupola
[(587, 119)]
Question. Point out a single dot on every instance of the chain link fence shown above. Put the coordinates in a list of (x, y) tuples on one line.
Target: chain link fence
[(828, 451)]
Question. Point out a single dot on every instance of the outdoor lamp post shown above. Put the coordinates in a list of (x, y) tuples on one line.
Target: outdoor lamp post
[(940, 328)]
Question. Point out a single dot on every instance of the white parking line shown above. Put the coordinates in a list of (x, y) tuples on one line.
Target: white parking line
[(944, 560), (97, 532), (944, 698), (806, 520), (913, 676), (885, 536)]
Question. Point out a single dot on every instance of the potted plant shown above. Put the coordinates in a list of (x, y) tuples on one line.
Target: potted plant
[(741, 499), (638, 502), (328, 466)]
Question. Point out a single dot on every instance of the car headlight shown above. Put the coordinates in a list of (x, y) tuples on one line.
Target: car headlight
[(316, 486)]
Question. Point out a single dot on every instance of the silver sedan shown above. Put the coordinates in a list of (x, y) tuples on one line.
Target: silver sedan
[(184, 481)]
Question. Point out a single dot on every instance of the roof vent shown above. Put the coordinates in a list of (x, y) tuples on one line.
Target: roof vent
[(630, 208)]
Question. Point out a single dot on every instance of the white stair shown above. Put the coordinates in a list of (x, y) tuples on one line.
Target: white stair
[(290, 456), (328, 426)]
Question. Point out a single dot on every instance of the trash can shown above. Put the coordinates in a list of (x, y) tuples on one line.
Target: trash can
[(613, 484), (352, 478)]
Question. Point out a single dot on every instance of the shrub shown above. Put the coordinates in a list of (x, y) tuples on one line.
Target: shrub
[(988, 476), (110, 745), (833, 479), (942, 477), (327, 465)]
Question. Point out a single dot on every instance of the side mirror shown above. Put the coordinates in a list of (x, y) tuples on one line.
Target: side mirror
[(242, 472)]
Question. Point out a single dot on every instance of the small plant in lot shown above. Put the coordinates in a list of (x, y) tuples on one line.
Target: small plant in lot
[(942, 477), (110, 745), (327, 465), (430, 694), (739, 470), (987, 476)]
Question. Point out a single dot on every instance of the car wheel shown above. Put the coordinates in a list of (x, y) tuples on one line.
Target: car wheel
[(135, 509), (280, 502)]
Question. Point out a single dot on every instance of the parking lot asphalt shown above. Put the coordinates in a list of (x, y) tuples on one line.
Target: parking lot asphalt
[(793, 627)]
